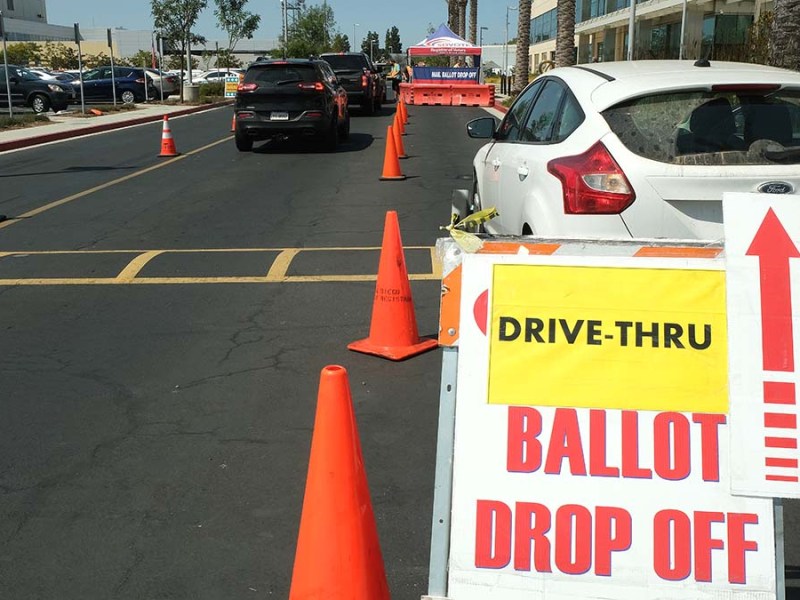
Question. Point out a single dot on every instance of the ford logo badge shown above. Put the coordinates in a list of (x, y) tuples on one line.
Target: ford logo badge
[(776, 187)]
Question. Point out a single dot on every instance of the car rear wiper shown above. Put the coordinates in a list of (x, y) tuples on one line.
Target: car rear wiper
[(282, 81), (785, 154)]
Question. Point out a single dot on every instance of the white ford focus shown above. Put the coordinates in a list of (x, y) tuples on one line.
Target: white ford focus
[(641, 149)]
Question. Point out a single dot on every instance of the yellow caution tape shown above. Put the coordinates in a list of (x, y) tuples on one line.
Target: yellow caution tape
[(460, 230)]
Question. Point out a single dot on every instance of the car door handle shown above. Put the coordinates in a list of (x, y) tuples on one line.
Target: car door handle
[(496, 163), (522, 172)]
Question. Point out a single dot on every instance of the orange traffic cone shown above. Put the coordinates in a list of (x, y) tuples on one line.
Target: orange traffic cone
[(391, 166), (398, 122), (404, 112), (233, 123), (338, 554), (167, 143), (398, 143), (393, 329)]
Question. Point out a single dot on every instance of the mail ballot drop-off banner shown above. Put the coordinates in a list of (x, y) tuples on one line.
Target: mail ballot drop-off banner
[(591, 443)]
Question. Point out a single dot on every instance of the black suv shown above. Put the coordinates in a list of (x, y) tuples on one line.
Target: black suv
[(360, 78), (28, 89), (291, 98)]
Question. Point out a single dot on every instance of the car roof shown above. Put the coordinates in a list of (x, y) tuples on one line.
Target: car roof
[(615, 82), (284, 61)]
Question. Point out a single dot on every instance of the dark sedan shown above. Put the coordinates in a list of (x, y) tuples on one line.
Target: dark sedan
[(132, 85)]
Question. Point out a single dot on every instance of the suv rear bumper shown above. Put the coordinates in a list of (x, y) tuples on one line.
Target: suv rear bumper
[(258, 127)]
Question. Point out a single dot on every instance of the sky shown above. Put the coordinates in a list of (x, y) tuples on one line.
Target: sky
[(411, 17)]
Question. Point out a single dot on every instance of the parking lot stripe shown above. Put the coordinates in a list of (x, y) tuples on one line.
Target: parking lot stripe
[(280, 266), (137, 264), (108, 184)]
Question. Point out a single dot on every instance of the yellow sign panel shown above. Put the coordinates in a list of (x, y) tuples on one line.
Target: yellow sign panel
[(603, 337)]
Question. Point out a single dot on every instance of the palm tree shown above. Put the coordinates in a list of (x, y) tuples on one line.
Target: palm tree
[(565, 33), (452, 14), (462, 18), (784, 46), (522, 67), (473, 22)]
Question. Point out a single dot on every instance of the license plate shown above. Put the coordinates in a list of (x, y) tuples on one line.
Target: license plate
[(279, 116)]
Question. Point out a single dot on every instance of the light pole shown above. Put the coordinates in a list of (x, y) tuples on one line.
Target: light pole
[(354, 35), (371, 44), (480, 36), (505, 46)]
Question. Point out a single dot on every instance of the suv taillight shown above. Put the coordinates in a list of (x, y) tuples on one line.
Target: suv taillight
[(592, 182), (316, 86), (246, 87), (364, 80)]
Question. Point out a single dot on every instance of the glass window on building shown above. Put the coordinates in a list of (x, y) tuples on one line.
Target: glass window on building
[(725, 36), (10, 4), (543, 27)]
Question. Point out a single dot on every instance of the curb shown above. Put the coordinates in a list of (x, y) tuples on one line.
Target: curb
[(63, 135), (500, 107)]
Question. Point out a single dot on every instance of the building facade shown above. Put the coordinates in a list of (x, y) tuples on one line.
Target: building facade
[(712, 29)]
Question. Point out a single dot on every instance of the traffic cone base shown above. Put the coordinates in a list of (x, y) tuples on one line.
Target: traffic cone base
[(338, 554), (391, 164), (393, 328), (167, 142), (365, 346)]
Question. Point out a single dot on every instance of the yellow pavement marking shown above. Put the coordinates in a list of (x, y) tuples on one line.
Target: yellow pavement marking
[(137, 264), (108, 184), (276, 274), (280, 266)]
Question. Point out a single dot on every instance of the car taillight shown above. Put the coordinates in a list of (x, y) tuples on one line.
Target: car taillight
[(364, 81), (316, 86), (246, 87), (592, 182), (312, 114), (244, 115)]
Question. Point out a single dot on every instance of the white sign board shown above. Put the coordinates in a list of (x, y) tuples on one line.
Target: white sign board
[(762, 236), (613, 499)]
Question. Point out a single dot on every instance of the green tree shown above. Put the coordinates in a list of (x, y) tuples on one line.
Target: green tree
[(23, 54), (142, 57), (393, 45), (237, 23), (341, 43), (371, 40), (59, 56), (91, 61), (175, 20), (312, 32), (178, 62)]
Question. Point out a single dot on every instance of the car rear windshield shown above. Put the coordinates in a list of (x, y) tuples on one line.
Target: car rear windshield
[(742, 127), (344, 62), (280, 74)]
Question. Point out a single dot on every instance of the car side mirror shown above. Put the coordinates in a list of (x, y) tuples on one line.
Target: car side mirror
[(13, 79), (481, 128)]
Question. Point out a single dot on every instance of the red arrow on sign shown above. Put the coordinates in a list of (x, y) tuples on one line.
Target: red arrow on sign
[(774, 248)]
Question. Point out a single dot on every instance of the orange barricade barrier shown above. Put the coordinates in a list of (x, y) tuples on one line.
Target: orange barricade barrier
[(338, 555), (431, 94), (471, 95)]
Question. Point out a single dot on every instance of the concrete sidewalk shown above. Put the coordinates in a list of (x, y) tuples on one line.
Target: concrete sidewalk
[(64, 126)]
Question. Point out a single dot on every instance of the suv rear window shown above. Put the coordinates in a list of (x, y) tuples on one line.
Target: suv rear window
[(344, 62), (707, 128), (280, 74)]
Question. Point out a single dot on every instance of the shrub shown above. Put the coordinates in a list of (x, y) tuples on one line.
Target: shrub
[(25, 120)]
